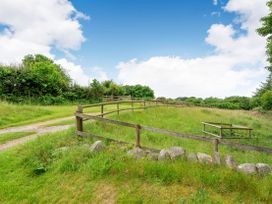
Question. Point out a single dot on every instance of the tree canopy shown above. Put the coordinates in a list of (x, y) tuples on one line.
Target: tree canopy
[(266, 31)]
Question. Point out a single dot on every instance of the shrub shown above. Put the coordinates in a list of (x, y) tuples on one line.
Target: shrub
[(266, 100)]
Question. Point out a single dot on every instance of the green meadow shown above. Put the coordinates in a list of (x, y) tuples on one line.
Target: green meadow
[(59, 167)]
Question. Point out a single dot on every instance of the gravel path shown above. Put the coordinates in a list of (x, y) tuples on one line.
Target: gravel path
[(40, 129)]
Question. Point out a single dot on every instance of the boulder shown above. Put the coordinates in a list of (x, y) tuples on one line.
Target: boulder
[(247, 168), (97, 146), (137, 153), (176, 152), (230, 162), (216, 158), (204, 158), (164, 155), (192, 157), (263, 169)]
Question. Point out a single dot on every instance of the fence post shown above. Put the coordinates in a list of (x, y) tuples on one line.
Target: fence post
[(78, 119), (138, 136), (144, 103), (132, 106), (216, 143), (102, 110), (117, 108)]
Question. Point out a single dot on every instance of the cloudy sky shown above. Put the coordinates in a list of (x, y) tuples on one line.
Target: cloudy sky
[(179, 48)]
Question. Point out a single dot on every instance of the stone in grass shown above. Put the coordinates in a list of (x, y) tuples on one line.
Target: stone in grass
[(204, 158), (263, 169), (137, 153), (216, 158), (230, 162), (164, 155), (247, 168), (192, 157), (98, 146), (176, 152), (152, 156)]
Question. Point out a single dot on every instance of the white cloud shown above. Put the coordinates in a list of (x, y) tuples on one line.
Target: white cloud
[(75, 71), (235, 68), (215, 2), (99, 74), (37, 26)]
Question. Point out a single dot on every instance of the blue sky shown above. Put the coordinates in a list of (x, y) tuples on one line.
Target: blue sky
[(119, 30), (177, 47)]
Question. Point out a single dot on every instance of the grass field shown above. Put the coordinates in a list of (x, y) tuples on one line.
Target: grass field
[(75, 175), (16, 115), (188, 120)]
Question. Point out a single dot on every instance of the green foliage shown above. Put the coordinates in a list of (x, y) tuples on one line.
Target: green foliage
[(96, 90), (39, 80), (266, 31), (266, 100), (112, 89), (266, 86), (139, 91), (233, 102)]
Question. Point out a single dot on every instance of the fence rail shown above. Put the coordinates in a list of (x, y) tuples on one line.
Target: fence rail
[(80, 117)]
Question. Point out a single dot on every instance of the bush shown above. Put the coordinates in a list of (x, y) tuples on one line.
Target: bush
[(266, 100)]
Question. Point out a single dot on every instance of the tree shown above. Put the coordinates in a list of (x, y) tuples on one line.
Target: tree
[(266, 86), (112, 89), (266, 31), (138, 91), (46, 76), (96, 90)]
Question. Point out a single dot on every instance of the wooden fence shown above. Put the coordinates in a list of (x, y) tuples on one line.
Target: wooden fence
[(81, 116)]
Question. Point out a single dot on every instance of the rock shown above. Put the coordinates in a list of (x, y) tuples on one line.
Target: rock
[(204, 158), (164, 155), (216, 158), (176, 152), (247, 168), (192, 157), (137, 153), (97, 146), (263, 169), (152, 156), (230, 162)]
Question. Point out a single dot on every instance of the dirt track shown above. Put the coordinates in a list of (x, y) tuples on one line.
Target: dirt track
[(40, 129)]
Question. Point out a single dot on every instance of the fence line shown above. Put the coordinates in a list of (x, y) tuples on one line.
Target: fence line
[(80, 117)]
